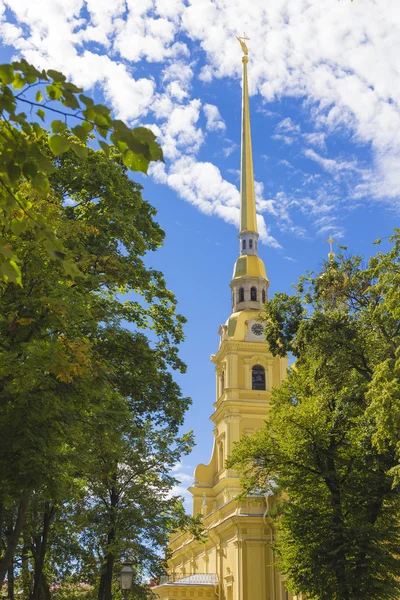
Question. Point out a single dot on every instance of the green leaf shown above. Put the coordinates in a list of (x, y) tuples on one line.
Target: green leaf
[(6, 252), (56, 76), (103, 131), (10, 271), (155, 151), (13, 172), (70, 100), (70, 268), (144, 134), (41, 184), (88, 114), (101, 120), (40, 113), (45, 165), (59, 144), (29, 169), (6, 74), (377, 242), (136, 145), (18, 82), (71, 87), (18, 225), (101, 109), (80, 132), (39, 96), (54, 92), (88, 101), (135, 162), (80, 151), (58, 126), (105, 147)]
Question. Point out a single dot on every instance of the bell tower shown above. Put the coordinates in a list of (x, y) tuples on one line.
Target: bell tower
[(235, 562), (245, 370)]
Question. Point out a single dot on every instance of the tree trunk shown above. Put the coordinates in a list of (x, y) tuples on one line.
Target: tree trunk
[(40, 554), (45, 588), (105, 587), (13, 541), (333, 482), (10, 580), (25, 573)]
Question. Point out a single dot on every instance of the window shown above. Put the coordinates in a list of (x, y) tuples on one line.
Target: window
[(222, 382), (250, 244), (258, 377), (263, 296), (244, 245), (253, 294), (241, 295)]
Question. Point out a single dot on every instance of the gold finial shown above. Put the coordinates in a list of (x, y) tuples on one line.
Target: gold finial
[(331, 241), (242, 42)]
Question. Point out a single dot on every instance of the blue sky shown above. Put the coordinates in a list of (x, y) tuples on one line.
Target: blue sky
[(325, 107)]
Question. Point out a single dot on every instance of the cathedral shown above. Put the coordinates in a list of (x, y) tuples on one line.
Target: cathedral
[(236, 562)]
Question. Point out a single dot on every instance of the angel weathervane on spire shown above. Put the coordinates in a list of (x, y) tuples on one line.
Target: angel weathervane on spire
[(242, 42)]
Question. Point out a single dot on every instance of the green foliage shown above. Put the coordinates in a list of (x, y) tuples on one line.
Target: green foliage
[(330, 449), (89, 405), (23, 157)]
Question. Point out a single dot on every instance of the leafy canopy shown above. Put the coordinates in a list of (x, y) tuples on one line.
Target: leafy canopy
[(330, 449), (23, 156)]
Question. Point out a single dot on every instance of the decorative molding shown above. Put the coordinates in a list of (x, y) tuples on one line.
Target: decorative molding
[(232, 418)]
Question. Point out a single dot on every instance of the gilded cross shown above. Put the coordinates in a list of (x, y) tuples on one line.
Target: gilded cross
[(331, 241)]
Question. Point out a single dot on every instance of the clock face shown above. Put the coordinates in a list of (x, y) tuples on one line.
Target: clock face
[(257, 329)]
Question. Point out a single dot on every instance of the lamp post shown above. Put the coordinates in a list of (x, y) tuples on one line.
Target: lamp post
[(126, 578)]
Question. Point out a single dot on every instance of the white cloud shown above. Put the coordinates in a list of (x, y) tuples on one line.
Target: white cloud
[(331, 165), (202, 184), (315, 139), (214, 119), (227, 151), (340, 58), (178, 75), (287, 126), (286, 139), (180, 132)]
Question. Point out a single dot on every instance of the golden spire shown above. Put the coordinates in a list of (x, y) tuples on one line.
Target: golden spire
[(248, 219)]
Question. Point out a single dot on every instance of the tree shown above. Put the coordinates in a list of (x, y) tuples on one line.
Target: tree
[(71, 372), (22, 157), (330, 448)]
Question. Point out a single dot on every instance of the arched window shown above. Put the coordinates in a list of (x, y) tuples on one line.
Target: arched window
[(222, 382), (250, 244), (253, 294), (244, 245), (241, 295), (258, 378), (263, 296)]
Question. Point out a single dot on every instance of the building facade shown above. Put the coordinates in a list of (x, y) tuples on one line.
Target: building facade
[(236, 562)]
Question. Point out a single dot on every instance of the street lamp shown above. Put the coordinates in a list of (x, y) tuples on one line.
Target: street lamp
[(126, 578)]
